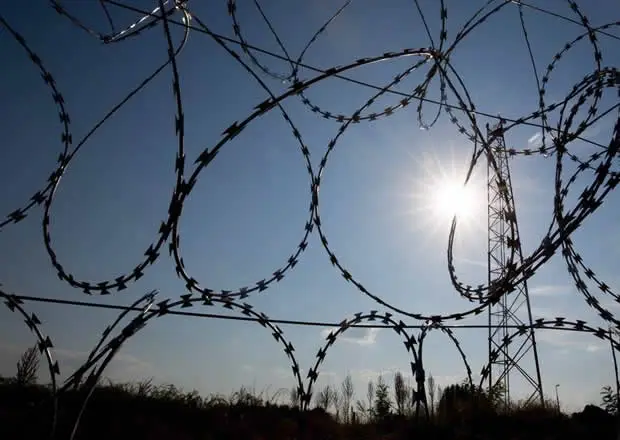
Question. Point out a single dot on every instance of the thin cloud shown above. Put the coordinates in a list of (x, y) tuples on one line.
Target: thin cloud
[(472, 262), (359, 336), (124, 366), (604, 125), (567, 341), (541, 312), (287, 373), (331, 376), (534, 140), (550, 290), (610, 305), (445, 380), (282, 373), (366, 374)]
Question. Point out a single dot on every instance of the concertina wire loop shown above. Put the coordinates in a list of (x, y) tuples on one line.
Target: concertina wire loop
[(555, 141)]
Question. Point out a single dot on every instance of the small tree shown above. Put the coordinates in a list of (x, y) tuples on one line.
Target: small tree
[(463, 401), (347, 396), (497, 396), (383, 402), (362, 409), (431, 392), (295, 397), (28, 366), (144, 387), (401, 392), (193, 399), (411, 399), (336, 402), (370, 397), (326, 397)]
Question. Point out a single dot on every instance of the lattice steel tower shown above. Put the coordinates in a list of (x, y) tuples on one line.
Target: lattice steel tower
[(513, 308)]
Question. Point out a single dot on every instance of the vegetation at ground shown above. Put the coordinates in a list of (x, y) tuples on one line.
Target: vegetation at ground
[(144, 410)]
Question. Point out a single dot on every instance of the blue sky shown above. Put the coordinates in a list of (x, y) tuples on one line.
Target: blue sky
[(246, 214)]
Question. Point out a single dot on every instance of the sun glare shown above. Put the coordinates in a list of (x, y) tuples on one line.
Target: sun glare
[(438, 193), (451, 198)]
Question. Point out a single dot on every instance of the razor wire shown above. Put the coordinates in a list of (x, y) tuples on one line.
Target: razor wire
[(570, 126)]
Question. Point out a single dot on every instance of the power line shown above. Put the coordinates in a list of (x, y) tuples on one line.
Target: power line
[(562, 17), (563, 223), (343, 77), (241, 318)]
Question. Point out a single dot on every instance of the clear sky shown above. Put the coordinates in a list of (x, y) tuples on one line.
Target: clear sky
[(379, 196)]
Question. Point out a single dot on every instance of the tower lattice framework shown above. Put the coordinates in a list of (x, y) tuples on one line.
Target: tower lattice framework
[(519, 360)]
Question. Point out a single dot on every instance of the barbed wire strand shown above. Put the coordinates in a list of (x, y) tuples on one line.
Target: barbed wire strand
[(326, 324), (579, 110)]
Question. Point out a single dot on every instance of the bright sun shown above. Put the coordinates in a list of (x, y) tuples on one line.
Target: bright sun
[(451, 198), (438, 193)]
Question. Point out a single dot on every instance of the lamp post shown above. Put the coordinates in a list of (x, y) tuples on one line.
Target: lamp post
[(613, 355), (557, 398), (613, 333)]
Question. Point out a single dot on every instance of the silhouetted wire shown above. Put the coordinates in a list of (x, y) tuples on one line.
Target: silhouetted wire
[(563, 17), (339, 76), (44, 346), (182, 188), (585, 96), (107, 15), (39, 299)]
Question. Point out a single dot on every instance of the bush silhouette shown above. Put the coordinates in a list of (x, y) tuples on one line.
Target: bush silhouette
[(462, 403), (153, 412)]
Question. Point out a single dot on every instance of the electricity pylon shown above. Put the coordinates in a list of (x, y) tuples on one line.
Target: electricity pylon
[(513, 308)]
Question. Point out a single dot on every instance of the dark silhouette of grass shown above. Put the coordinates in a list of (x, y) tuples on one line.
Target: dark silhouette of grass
[(144, 411)]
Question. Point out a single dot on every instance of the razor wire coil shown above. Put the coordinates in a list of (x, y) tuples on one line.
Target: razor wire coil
[(570, 125)]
